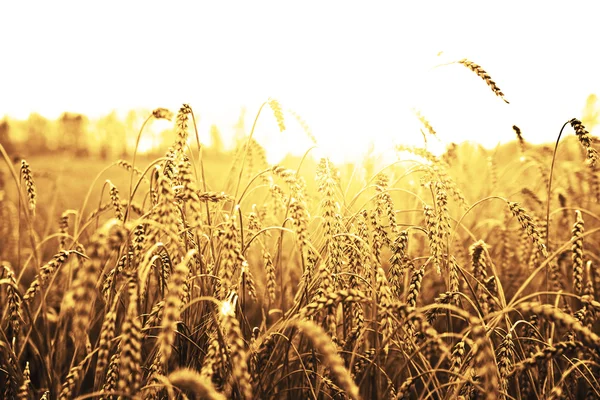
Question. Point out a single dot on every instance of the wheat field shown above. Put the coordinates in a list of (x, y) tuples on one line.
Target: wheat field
[(472, 274)]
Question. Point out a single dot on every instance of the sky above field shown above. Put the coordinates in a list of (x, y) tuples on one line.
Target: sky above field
[(352, 70)]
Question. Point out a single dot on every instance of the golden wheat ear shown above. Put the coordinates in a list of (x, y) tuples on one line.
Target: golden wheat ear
[(277, 112), (585, 139), (485, 76), (27, 177), (191, 381), (424, 121)]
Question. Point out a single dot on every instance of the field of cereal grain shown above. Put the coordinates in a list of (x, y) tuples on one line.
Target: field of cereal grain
[(470, 274)]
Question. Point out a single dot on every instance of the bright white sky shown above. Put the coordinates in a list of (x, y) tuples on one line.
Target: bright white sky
[(352, 70)]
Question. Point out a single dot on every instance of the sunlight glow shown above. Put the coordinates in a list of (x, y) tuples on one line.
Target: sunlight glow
[(146, 144), (354, 85), (227, 308)]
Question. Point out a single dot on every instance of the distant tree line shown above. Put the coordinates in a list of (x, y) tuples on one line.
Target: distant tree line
[(77, 135), (38, 135)]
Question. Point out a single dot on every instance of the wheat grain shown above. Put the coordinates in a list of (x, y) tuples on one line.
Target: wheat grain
[(172, 311), (528, 226), (112, 375), (71, 381), (433, 233), (414, 287), (330, 300), (577, 252), (485, 76), (586, 141), (130, 349), (162, 113), (190, 380), (237, 351), (181, 127), (27, 177), (107, 333), (384, 299), (82, 294), (24, 390), (116, 202), (546, 354), (520, 139), (398, 263), (562, 319), (14, 302), (330, 357), (229, 257), (278, 112), (504, 355)]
